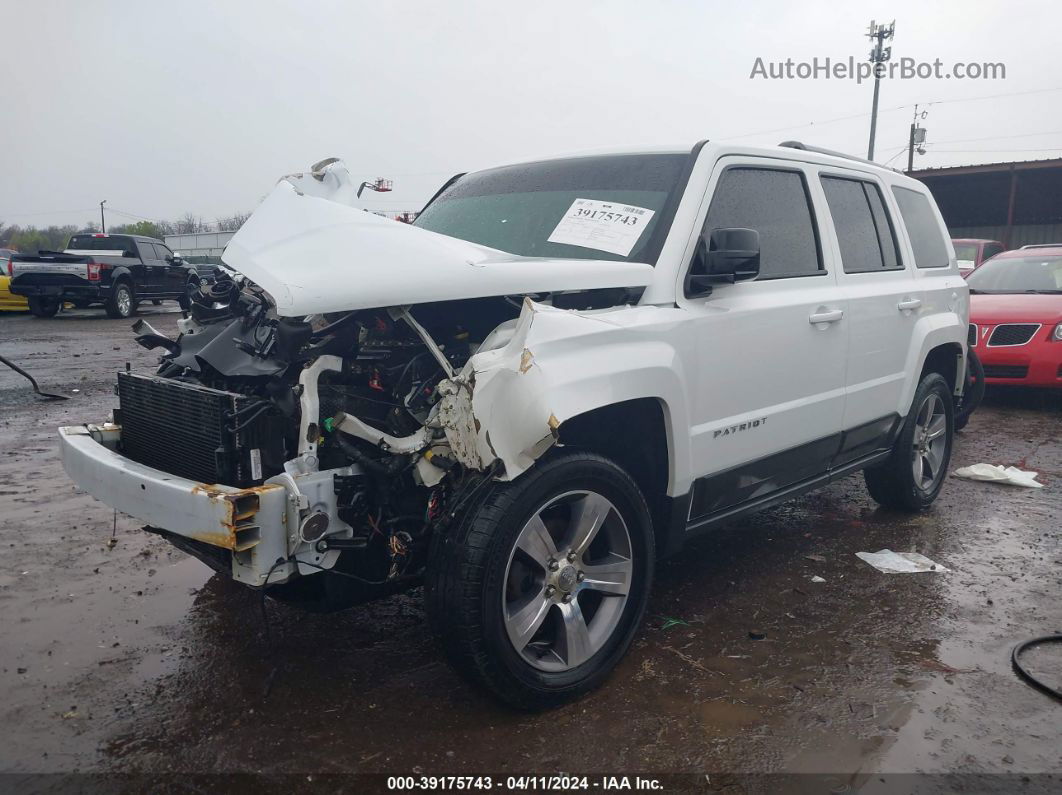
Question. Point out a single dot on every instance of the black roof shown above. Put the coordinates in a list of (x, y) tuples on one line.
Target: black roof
[(119, 234)]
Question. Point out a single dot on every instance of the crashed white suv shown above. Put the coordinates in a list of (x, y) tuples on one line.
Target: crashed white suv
[(560, 373)]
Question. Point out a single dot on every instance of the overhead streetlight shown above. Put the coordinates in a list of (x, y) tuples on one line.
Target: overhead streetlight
[(103, 222)]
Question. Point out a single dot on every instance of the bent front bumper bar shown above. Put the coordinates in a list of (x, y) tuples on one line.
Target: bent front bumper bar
[(251, 523)]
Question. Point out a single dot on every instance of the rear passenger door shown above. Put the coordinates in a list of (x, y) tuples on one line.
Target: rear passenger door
[(884, 303), (153, 276), (768, 382)]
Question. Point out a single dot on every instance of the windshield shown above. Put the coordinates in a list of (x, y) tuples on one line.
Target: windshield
[(612, 207), (105, 243), (1018, 275), (966, 251)]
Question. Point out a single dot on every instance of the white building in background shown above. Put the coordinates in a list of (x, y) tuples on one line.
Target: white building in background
[(200, 246)]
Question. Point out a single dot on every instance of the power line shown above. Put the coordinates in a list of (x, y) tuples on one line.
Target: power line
[(823, 122), (966, 151), (999, 137), (898, 153), (52, 212), (987, 96)]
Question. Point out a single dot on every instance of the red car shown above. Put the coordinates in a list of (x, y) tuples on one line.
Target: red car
[(972, 251), (1016, 316)]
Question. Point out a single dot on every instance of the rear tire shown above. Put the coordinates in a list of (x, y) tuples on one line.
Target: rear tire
[(43, 307), (974, 392), (121, 302), (913, 474), (537, 633)]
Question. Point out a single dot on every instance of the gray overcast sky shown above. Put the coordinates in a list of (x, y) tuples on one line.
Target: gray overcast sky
[(164, 108)]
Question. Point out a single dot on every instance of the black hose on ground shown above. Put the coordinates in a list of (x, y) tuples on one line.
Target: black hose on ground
[(1024, 674), (28, 377)]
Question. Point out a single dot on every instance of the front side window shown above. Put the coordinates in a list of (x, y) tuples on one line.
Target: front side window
[(775, 203), (161, 252), (518, 209), (966, 252), (864, 230), (930, 250)]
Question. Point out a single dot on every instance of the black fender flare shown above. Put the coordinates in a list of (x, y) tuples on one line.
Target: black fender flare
[(123, 272)]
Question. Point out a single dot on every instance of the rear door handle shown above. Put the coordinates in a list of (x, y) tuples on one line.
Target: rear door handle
[(827, 316), (909, 303)]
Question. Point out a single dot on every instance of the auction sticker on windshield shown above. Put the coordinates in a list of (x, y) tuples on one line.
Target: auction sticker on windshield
[(605, 226)]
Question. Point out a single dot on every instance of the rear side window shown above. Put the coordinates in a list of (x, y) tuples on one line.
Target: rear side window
[(146, 250), (103, 243), (930, 250), (864, 230), (775, 203)]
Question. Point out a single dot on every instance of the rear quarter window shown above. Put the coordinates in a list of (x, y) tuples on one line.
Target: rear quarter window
[(927, 242)]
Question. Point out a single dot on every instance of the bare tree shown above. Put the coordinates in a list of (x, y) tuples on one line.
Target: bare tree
[(232, 223), (188, 224)]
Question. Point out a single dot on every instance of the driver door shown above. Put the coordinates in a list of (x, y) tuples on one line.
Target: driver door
[(768, 390)]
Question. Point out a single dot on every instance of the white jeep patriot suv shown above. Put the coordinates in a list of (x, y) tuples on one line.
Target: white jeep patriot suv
[(560, 373)]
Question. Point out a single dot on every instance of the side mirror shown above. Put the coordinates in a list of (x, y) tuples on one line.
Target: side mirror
[(175, 260), (723, 256)]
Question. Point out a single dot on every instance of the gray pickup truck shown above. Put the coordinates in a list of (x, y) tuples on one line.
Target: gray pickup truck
[(117, 271)]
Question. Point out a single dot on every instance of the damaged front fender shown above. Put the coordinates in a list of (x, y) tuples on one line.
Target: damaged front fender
[(508, 403), (497, 407)]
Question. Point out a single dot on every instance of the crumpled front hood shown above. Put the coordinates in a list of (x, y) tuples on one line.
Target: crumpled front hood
[(313, 251)]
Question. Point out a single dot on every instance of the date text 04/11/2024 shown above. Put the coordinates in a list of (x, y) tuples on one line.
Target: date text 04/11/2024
[(522, 783)]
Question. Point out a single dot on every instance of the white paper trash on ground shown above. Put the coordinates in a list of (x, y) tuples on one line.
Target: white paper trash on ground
[(899, 562), (990, 473)]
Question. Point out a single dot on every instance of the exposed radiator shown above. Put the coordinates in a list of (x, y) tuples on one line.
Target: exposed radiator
[(196, 432)]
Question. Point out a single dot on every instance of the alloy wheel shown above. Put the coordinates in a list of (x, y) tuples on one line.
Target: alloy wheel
[(124, 301), (567, 581), (929, 443)]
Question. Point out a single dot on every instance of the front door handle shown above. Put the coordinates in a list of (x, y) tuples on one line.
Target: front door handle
[(826, 316), (909, 303)]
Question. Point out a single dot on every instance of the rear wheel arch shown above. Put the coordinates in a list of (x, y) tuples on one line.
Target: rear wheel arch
[(944, 359)]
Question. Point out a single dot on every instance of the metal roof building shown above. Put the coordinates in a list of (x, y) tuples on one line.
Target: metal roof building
[(1017, 203), (200, 246)]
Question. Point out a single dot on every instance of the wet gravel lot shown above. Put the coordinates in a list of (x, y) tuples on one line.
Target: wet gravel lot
[(128, 656)]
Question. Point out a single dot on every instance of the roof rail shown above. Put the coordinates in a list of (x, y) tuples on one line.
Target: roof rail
[(1043, 245), (832, 153)]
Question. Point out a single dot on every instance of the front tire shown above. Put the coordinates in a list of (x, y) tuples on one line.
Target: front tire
[(43, 307), (122, 302), (537, 592), (912, 476)]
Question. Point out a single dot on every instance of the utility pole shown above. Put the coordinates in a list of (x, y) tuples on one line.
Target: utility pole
[(917, 138), (103, 222), (878, 56)]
